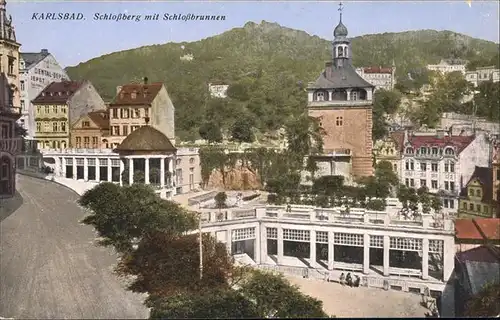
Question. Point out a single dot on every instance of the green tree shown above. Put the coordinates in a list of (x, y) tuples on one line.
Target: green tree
[(487, 101), (220, 200), (304, 137), (210, 132), (485, 303), (241, 130), (123, 216), (387, 100)]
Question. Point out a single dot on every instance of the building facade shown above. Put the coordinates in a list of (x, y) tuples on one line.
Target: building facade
[(482, 74), (476, 199), (91, 131), (387, 149), (218, 90), (495, 163), (448, 65), (137, 105), (58, 106), (443, 163), (37, 71), (342, 102), (381, 78)]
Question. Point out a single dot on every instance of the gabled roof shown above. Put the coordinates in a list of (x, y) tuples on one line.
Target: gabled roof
[(100, 118), (477, 229), (147, 139), (137, 94), (485, 177), (58, 92), (340, 78), (459, 142), (32, 58), (377, 70)]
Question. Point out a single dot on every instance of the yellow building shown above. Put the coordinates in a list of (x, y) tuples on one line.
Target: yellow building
[(58, 106), (476, 198), (388, 149)]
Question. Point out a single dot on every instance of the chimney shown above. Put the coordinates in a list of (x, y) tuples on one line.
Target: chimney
[(118, 89), (145, 80), (328, 69), (44, 51)]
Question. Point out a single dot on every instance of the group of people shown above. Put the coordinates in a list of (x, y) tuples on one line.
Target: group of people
[(350, 280)]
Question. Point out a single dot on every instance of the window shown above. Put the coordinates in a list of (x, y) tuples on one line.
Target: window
[(478, 193), (407, 165), (423, 150), (452, 186), (412, 165), (446, 167), (11, 65), (124, 113), (434, 184), (434, 167), (86, 142), (22, 85), (55, 127), (146, 112), (452, 204), (133, 95), (452, 167), (471, 206), (191, 160), (85, 124), (22, 105), (114, 113), (485, 209), (445, 203), (435, 151), (407, 182), (137, 113), (320, 96), (125, 130), (478, 207), (63, 126), (116, 130), (465, 206), (412, 182), (54, 109), (339, 121), (409, 150), (423, 166), (353, 95), (423, 183), (446, 185), (95, 142), (78, 142), (449, 151), (47, 109), (395, 167), (63, 109)]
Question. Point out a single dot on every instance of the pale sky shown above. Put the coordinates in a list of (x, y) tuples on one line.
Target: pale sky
[(73, 42)]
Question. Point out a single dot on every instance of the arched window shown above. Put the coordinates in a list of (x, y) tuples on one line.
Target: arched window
[(345, 52), (423, 150), (353, 95), (340, 51), (449, 151), (409, 150), (5, 175), (191, 160), (320, 96)]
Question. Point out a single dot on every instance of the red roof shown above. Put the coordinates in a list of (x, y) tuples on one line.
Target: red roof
[(137, 94), (477, 229), (58, 92), (459, 142), (377, 70)]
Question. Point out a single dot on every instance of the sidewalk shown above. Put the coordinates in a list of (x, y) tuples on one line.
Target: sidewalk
[(78, 186)]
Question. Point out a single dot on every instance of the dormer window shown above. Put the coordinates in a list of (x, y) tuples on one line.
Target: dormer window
[(353, 95), (449, 151), (423, 150), (122, 95), (133, 95), (434, 151), (320, 96), (409, 150)]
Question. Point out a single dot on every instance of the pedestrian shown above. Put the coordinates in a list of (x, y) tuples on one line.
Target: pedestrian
[(348, 279), (342, 278), (357, 282)]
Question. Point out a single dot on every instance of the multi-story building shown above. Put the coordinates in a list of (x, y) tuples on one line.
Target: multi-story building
[(448, 65), (381, 78), (342, 102), (91, 131), (387, 149), (218, 90), (10, 142), (441, 162), (58, 106), (495, 163), (37, 71), (137, 105), (482, 74), (476, 199)]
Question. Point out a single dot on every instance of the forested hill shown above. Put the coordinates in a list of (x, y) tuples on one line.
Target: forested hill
[(267, 63)]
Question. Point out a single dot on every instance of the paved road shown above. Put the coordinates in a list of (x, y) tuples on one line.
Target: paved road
[(49, 266)]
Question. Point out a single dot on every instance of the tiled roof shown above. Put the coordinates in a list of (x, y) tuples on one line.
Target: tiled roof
[(459, 142), (481, 254), (58, 92), (377, 70), (100, 118), (146, 138), (477, 229), (137, 94), (339, 78), (32, 58)]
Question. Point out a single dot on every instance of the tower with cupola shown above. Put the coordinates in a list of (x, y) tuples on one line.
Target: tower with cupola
[(342, 102)]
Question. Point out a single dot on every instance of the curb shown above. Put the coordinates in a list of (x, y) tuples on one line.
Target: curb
[(36, 176)]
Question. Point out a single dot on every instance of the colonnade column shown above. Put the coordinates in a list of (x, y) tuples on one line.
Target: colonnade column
[(63, 167), (348, 91), (312, 249), (331, 257), (280, 245), (425, 258), (110, 169), (257, 243), (162, 172), (74, 168), (122, 168), (171, 170), (130, 171), (386, 255), (263, 244), (229, 241), (146, 170), (366, 253), (85, 169), (97, 169)]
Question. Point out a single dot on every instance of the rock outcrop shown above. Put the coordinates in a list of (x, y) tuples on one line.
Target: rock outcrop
[(237, 178)]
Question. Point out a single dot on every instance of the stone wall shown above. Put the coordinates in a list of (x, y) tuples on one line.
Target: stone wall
[(237, 178)]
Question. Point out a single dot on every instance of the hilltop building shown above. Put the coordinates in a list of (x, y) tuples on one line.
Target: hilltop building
[(136, 105), (58, 106), (37, 71), (342, 101), (483, 74), (381, 78), (448, 65), (218, 90)]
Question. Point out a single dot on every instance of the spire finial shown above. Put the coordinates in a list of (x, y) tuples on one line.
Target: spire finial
[(341, 7)]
